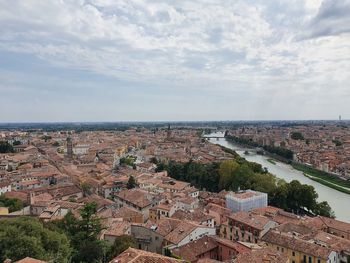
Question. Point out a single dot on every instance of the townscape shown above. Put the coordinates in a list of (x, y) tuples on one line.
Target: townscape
[(325, 147), (121, 190)]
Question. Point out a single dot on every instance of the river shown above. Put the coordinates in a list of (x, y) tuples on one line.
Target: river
[(338, 201)]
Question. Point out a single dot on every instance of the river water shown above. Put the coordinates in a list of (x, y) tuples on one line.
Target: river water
[(339, 202)]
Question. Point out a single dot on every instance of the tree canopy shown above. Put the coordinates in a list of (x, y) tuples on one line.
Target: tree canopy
[(27, 237), (238, 173), (5, 147), (13, 204), (297, 136), (131, 182)]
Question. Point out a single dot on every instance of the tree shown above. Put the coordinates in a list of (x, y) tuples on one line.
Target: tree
[(83, 234), (16, 143), (324, 209), (26, 237), (120, 244), (226, 171), (131, 182), (13, 204), (5, 147), (86, 188), (297, 136)]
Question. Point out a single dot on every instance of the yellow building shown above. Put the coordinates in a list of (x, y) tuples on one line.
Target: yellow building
[(299, 250), (4, 211)]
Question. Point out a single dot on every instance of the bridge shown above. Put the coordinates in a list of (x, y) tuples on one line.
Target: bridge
[(216, 135)]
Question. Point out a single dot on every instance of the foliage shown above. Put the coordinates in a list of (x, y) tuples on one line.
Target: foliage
[(13, 204), (337, 143), (56, 144), (87, 189), (297, 136), (120, 244), (283, 152), (46, 138), (83, 235), (154, 160), (26, 237), (129, 160), (240, 174), (5, 147), (131, 182), (280, 151), (321, 174), (16, 143)]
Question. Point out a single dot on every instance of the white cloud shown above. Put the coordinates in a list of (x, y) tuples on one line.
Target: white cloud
[(245, 48)]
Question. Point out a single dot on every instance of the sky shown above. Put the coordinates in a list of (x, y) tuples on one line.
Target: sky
[(133, 60)]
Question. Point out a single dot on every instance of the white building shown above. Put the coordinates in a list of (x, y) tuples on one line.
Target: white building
[(245, 200), (5, 186)]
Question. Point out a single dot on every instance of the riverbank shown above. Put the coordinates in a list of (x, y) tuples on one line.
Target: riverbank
[(337, 200), (271, 161), (314, 174), (323, 178)]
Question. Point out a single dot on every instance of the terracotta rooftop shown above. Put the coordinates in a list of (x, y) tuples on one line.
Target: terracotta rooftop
[(250, 219), (262, 256), (192, 250), (132, 255), (137, 197), (296, 244), (30, 260)]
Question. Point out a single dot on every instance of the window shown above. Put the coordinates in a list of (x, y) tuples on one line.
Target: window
[(293, 253), (310, 260), (318, 260), (282, 249), (278, 248)]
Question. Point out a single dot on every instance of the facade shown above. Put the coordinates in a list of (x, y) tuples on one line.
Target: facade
[(137, 199), (299, 250), (246, 227), (147, 238), (245, 200), (69, 148), (5, 186)]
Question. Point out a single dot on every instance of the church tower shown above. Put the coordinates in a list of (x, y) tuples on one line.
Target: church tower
[(69, 148)]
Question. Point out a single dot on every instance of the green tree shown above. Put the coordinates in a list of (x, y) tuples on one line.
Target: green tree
[(16, 143), (226, 171), (120, 244), (87, 189), (5, 147), (13, 204), (323, 209), (83, 235), (26, 237), (297, 136), (131, 182)]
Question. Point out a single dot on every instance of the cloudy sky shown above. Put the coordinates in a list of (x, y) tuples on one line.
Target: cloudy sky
[(108, 60)]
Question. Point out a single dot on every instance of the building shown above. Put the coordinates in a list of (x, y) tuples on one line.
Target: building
[(298, 249), (264, 255), (246, 227), (245, 200), (210, 247), (136, 255), (137, 199), (5, 186), (69, 148)]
